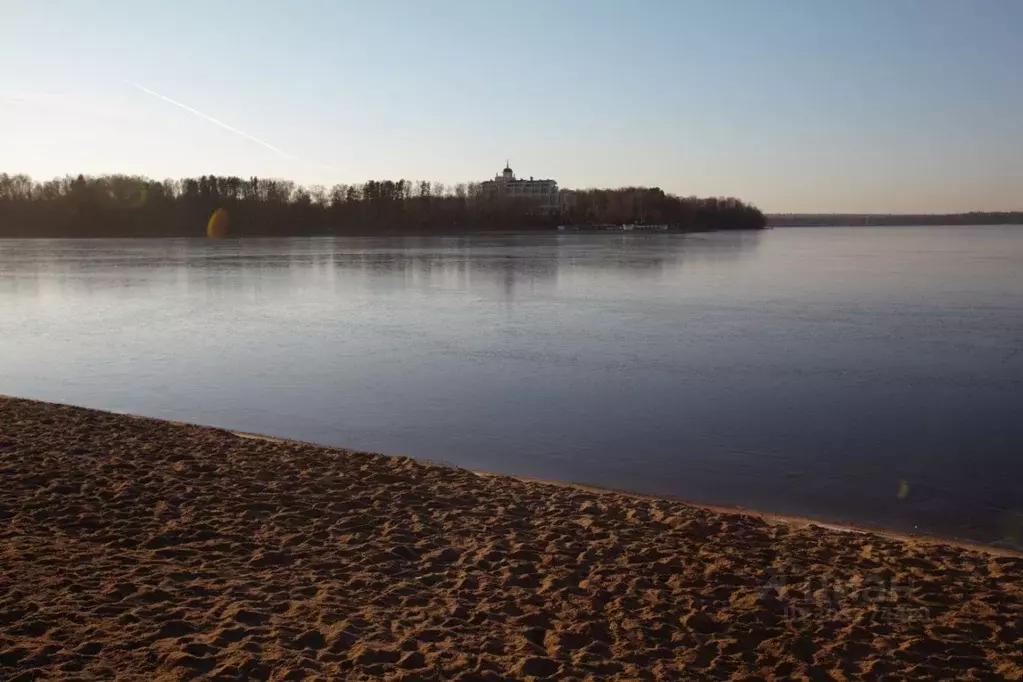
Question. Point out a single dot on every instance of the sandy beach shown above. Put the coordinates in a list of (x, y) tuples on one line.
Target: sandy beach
[(134, 548)]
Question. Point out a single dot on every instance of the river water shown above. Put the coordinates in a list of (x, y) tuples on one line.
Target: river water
[(802, 371)]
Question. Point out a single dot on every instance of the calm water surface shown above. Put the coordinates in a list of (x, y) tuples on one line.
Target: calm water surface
[(801, 371)]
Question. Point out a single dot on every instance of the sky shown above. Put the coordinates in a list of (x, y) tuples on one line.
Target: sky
[(794, 105)]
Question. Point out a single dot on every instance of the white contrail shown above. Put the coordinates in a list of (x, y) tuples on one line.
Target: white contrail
[(213, 120)]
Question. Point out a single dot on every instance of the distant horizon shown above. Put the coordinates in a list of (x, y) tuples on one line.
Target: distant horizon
[(879, 107), (832, 214)]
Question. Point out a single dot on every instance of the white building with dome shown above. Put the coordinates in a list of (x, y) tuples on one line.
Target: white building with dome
[(544, 192)]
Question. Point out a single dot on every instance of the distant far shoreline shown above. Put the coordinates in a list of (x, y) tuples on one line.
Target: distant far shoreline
[(401, 232), (892, 219), (136, 206)]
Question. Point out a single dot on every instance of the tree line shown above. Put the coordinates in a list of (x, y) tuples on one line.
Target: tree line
[(136, 206)]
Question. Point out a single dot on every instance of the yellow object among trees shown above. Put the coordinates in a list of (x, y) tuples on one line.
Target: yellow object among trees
[(217, 225)]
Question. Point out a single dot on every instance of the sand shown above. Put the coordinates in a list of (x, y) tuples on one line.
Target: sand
[(135, 548)]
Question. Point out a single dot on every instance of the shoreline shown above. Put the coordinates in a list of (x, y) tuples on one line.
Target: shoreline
[(793, 520), (139, 548), (770, 517), (481, 232)]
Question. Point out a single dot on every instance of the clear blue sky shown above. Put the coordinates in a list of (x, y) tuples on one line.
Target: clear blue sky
[(796, 105)]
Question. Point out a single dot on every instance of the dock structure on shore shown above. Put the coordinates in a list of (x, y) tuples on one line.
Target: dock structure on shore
[(611, 227)]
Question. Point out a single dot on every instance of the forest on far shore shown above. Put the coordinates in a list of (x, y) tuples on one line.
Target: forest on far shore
[(135, 206)]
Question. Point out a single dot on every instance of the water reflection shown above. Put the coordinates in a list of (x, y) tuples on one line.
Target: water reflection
[(492, 266)]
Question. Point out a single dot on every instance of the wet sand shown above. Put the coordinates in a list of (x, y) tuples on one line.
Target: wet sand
[(142, 549)]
